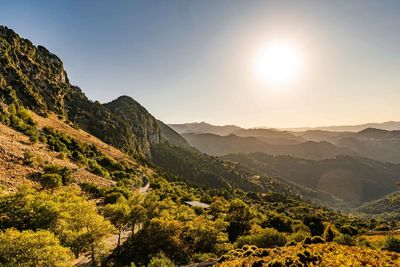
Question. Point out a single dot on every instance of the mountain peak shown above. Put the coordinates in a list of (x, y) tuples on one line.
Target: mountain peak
[(35, 78), (373, 130)]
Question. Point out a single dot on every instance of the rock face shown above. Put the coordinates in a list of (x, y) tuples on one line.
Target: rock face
[(138, 120), (35, 75), (36, 78)]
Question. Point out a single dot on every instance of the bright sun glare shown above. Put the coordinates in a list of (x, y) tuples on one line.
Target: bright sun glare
[(278, 63)]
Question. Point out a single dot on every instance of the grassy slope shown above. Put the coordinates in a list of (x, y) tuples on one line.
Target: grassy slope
[(13, 145)]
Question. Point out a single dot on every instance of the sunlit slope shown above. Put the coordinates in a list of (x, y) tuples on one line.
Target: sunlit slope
[(20, 158), (36, 79)]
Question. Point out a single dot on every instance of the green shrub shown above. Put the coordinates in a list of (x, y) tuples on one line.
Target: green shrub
[(28, 159), (349, 230), (391, 243), (64, 172), (160, 260), (92, 189), (344, 239), (266, 238), (112, 197), (298, 236), (328, 235), (278, 222), (97, 169), (51, 180)]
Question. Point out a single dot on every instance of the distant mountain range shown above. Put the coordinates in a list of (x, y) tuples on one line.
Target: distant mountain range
[(388, 125), (203, 127), (220, 145), (378, 144)]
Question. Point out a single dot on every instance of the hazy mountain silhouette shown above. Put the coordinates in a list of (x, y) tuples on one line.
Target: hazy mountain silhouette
[(389, 125), (374, 143), (219, 145), (203, 127), (378, 144)]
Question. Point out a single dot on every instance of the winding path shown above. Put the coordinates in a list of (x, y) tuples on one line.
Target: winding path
[(84, 260)]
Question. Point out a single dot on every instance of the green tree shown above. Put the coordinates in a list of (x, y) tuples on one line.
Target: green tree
[(28, 248), (51, 181), (82, 228), (240, 218), (328, 235), (28, 209), (119, 214)]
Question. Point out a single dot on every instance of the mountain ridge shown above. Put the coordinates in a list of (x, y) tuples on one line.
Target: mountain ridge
[(36, 78)]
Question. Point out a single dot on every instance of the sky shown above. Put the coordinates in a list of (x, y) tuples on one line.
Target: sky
[(192, 61)]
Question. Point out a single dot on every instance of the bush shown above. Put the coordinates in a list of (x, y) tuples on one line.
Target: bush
[(51, 180), (349, 230), (64, 172), (112, 197), (279, 222), (28, 248), (391, 243), (266, 238), (160, 260), (329, 234), (298, 236), (97, 169), (344, 239), (92, 189), (28, 159)]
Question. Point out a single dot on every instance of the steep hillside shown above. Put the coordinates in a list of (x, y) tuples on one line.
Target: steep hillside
[(22, 159), (138, 120), (36, 79), (221, 145), (169, 135), (355, 180)]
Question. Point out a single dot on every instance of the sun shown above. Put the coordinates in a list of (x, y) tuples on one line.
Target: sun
[(278, 63)]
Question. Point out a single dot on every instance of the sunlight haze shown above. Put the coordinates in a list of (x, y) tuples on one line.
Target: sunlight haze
[(329, 64)]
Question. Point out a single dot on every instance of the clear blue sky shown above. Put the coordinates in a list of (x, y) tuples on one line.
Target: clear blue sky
[(191, 60)]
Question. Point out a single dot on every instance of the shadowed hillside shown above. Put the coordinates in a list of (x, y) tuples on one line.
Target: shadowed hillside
[(356, 180)]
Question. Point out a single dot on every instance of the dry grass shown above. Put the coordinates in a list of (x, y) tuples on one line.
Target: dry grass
[(14, 172), (54, 122), (79, 134)]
